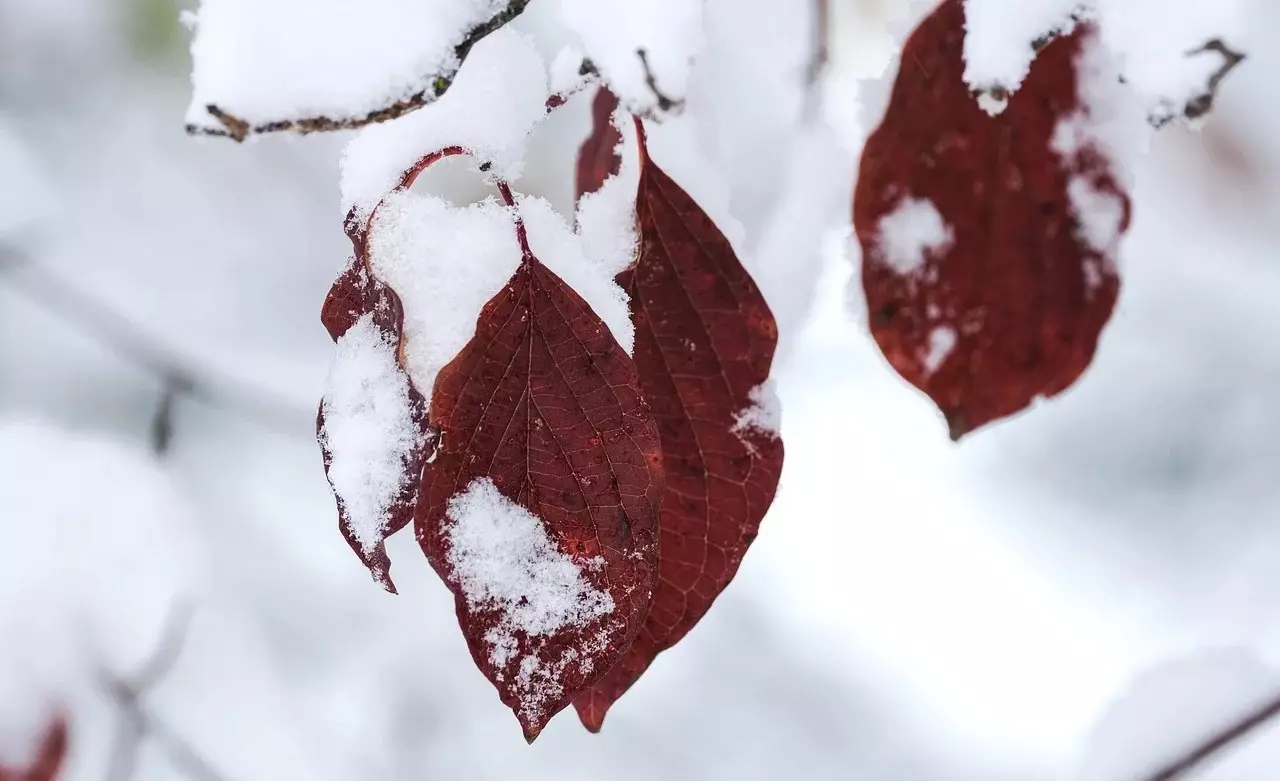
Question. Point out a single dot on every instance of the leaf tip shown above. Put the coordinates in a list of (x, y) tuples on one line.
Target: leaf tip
[(591, 713), (532, 729)]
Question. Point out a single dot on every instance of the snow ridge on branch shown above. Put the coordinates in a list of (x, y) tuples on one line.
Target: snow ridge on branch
[(238, 129)]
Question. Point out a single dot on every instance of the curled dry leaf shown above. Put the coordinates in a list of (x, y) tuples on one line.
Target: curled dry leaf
[(382, 415), (540, 507), (705, 340), (987, 242), (598, 157), (48, 758)]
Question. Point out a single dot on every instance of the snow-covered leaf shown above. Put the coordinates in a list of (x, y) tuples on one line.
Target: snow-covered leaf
[(989, 242), (540, 507), (705, 340)]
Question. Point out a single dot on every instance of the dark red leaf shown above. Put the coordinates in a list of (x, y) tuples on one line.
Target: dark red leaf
[(48, 758), (598, 157), (543, 409), (356, 294), (1011, 305), (705, 340)]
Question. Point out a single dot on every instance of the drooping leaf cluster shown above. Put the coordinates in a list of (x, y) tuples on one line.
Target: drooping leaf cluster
[(586, 500)]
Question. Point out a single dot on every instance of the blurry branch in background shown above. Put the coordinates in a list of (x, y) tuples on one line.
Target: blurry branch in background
[(137, 725), (820, 52), (180, 376), (819, 57), (1193, 760), (237, 129)]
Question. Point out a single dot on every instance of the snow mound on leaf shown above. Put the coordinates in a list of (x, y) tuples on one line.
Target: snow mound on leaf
[(369, 428), (911, 231), (98, 553), (269, 60), (764, 416), (1154, 40), (490, 111), (998, 37), (1109, 124), (607, 217), (505, 562), (613, 32), (445, 262)]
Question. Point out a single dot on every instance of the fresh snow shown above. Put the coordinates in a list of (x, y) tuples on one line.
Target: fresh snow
[(1108, 123), (491, 109), (942, 340), (669, 32), (368, 428), (590, 273), (997, 42), (606, 218), (269, 60), (911, 231), (505, 562), (764, 415), (1152, 39), (430, 251), (444, 262)]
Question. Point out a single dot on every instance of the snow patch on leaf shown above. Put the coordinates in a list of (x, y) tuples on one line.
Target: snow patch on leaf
[(910, 232), (1159, 43), (444, 262), (587, 266), (942, 340), (490, 111), (607, 217), (764, 416), (1101, 214), (505, 562), (998, 41), (1109, 130), (369, 429), (269, 60)]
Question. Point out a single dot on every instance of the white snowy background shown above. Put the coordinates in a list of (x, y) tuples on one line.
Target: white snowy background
[(1077, 593)]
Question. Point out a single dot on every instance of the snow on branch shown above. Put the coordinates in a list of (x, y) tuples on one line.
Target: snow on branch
[(306, 67)]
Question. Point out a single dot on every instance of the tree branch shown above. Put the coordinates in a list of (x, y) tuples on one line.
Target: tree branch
[(1216, 743), (182, 377), (135, 724), (238, 129)]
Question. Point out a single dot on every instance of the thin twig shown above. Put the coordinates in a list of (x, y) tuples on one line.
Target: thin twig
[(183, 377), (1201, 104), (1217, 742), (137, 724), (238, 129), (820, 46), (665, 102), (127, 693)]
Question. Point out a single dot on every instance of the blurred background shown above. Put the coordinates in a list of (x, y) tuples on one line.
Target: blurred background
[(1092, 584)]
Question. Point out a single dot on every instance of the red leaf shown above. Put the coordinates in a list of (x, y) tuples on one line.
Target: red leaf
[(598, 157), (48, 759), (542, 410), (705, 340), (1005, 300), (354, 295)]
